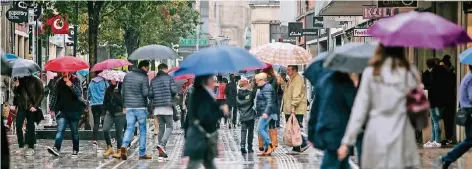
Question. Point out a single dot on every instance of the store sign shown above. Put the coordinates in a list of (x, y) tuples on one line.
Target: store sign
[(26, 4), (318, 22), (361, 33), (310, 32), (17, 15), (372, 12), (295, 29), (467, 7), (193, 42), (397, 3)]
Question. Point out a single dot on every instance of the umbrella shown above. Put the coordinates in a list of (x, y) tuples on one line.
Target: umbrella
[(283, 54), (466, 57), (110, 64), (153, 52), (66, 64), (83, 72), (113, 75), (351, 57), (222, 59), (181, 77), (418, 29), (50, 75), (7, 63), (316, 71), (24, 67)]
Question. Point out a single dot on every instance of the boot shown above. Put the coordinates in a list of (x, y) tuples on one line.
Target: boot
[(270, 150), (117, 154), (261, 143), (124, 154), (273, 137), (249, 148), (108, 152)]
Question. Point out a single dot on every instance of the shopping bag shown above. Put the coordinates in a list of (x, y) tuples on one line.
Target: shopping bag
[(292, 134)]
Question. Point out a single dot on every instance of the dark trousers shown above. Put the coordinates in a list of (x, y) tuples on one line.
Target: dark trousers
[(183, 113), (97, 111), (30, 136), (247, 130), (300, 122), (235, 114), (5, 149), (62, 123), (120, 122), (330, 161), (448, 116), (462, 147)]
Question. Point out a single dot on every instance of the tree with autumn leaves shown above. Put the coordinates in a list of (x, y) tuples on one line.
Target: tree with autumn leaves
[(125, 26)]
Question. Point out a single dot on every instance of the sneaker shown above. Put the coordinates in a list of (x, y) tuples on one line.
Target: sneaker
[(75, 153), (113, 141), (29, 152), (427, 144), (145, 157), (94, 143), (54, 151), (436, 145), (162, 152), (442, 163)]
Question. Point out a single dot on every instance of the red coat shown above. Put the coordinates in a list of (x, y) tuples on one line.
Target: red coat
[(221, 91)]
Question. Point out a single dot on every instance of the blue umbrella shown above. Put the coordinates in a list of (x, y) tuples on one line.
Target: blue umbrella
[(7, 63), (316, 70), (466, 57), (83, 72), (224, 59)]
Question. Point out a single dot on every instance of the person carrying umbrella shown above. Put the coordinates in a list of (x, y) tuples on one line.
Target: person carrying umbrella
[(113, 104), (96, 93)]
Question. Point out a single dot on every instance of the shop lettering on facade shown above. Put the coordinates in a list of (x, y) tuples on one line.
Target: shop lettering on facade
[(361, 33), (372, 12)]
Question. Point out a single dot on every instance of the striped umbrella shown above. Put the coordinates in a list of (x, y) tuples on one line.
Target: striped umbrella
[(283, 54)]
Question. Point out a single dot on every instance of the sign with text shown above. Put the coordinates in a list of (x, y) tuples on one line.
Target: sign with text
[(295, 29), (361, 33), (310, 32), (397, 3), (193, 42), (17, 15), (26, 4), (372, 12), (318, 22)]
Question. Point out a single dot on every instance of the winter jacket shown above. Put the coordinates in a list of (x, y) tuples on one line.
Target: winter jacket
[(162, 90), (67, 101), (438, 92), (295, 95), (135, 89), (29, 93), (265, 102), (231, 94), (96, 90), (113, 102), (245, 102)]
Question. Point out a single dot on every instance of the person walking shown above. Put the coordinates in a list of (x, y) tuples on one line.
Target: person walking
[(68, 105), (96, 94), (135, 92), (161, 93), (231, 94), (29, 93), (295, 102), (221, 97), (265, 107), (381, 99), (203, 115), (113, 104), (245, 100), (465, 102)]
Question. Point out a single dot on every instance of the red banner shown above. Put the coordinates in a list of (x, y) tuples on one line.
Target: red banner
[(58, 25)]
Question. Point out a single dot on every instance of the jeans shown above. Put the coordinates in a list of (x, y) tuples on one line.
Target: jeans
[(30, 136), (61, 128), (263, 129), (462, 147), (120, 122), (330, 161), (449, 117), (97, 111), (300, 122), (435, 125), (165, 128), (247, 130), (133, 116)]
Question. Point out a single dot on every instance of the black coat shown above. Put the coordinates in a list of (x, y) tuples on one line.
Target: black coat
[(439, 91), (231, 94), (113, 101), (29, 93), (245, 104)]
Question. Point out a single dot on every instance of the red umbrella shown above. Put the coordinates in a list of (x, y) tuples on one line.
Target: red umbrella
[(66, 64), (110, 64), (182, 77), (267, 65)]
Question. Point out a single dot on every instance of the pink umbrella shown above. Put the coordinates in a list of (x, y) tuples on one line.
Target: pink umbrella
[(182, 77), (113, 75), (110, 64), (50, 75)]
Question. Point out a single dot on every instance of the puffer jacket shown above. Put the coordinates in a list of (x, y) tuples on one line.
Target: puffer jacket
[(265, 102), (245, 102), (162, 90), (135, 89)]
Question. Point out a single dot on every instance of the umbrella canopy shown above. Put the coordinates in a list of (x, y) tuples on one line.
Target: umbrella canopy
[(223, 59), (418, 29), (466, 57), (66, 64), (83, 72), (351, 57), (316, 70), (113, 75), (110, 64), (153, 52), (283, 54), (24, 67), (181, 77), (7, 63), (50, 75)]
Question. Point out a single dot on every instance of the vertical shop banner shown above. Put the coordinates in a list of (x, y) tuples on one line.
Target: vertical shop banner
[(295, 29), (58, 25)]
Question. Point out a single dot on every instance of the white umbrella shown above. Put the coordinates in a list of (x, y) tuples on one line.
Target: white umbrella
[(351, 57)]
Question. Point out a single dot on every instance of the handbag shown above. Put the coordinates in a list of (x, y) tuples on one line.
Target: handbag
[(462, 116), (292, 134), (418, 106)]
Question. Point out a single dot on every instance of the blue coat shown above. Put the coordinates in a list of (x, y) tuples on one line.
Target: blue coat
[(96, 90), (331, 110), (265, 100)]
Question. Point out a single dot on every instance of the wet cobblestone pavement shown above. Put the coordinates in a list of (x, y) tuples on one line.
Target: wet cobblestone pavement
[(229, 158)]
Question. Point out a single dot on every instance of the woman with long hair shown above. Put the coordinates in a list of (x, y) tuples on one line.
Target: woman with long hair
[(389, 139), (113, 104)]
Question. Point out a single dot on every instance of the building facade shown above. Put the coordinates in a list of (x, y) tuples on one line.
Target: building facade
[(263, 15)]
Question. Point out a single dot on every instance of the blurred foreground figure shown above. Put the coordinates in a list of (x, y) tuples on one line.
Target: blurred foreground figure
[(381, 100), (5, 150)]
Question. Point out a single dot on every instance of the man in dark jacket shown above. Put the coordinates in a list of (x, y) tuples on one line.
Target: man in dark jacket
[(245, 101), (135, 92), (162, 92), (231, 94), (29, 93)]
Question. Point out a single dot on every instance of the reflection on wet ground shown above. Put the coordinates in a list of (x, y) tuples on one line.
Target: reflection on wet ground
[(229, 156)]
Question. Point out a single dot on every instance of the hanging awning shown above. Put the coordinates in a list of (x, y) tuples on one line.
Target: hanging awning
[(344, 8)]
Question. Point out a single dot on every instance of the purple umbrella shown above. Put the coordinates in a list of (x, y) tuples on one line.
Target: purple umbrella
[(415, 29)]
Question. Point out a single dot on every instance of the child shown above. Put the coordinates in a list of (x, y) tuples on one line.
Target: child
[(245, 100)]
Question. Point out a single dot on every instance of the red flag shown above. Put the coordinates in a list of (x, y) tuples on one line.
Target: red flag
[(58, 25)]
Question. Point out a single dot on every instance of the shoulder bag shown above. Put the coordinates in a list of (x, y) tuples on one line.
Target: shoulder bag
[(417, 104)]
